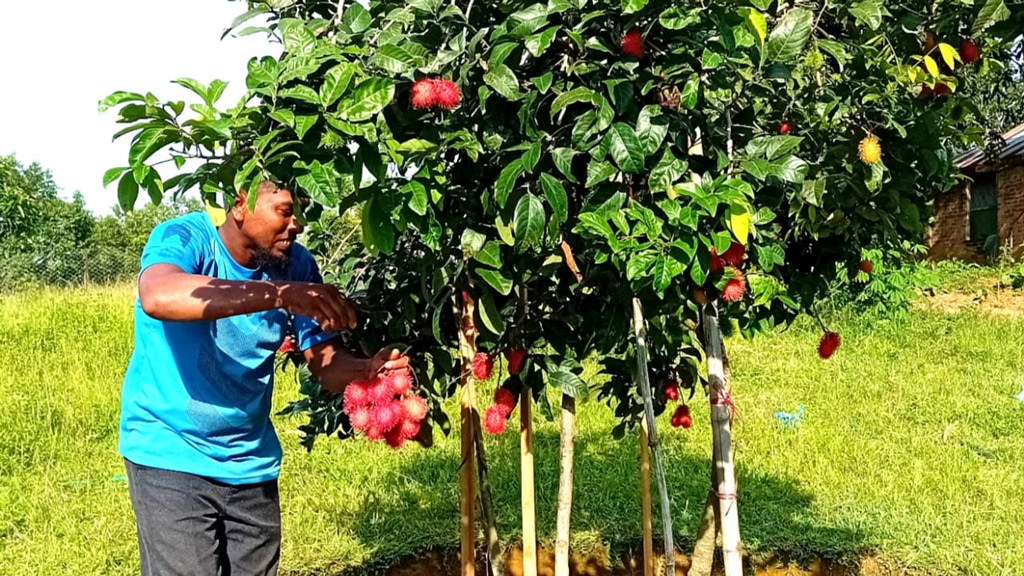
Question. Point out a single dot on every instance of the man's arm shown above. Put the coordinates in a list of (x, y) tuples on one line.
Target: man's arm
[(169, 293), (334, 368)]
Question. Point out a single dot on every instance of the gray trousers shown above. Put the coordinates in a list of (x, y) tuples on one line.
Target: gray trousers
[(194, 526)]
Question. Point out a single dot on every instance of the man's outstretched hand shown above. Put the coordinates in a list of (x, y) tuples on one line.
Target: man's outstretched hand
[(388, 360), (322, 302)]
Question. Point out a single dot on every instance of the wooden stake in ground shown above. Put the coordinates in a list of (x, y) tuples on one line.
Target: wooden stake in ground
[(467, 347), (721, 425), (568, 436), (639, 331), (526, 480), (645, 490)]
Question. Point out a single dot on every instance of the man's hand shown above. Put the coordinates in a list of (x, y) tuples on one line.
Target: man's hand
[(388, 360), (322, 302)]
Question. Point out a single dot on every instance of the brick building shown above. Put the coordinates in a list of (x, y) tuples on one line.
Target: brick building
[(989, 205)]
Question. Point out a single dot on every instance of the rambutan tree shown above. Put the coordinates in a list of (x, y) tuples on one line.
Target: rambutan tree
[(585, 178)]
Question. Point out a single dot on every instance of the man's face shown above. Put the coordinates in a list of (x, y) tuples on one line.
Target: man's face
[(271, 226)]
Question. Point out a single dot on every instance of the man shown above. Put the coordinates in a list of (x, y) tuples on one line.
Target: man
[(202, 456)]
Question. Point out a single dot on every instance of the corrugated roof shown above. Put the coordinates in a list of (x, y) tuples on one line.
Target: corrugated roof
[(1014, 147)]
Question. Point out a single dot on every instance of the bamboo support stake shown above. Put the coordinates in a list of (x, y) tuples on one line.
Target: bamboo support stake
[(526, 479), (564, 515), (467, 413), (659, 467), (645, 489), (721, 424)]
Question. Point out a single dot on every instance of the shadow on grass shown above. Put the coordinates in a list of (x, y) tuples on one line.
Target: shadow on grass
[(415, 531)]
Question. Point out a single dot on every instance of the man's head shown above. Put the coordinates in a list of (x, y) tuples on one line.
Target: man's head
[(268, 230)]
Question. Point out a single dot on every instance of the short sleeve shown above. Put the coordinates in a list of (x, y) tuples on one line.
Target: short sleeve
[(307, 331), (174, 242)]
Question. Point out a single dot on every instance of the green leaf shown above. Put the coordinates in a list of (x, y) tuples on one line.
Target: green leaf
[(624, 146), (773, 147), (563, 161), (837, 50), (557, 198), (490, 255), (416, 145), (738, 221), (813, 191), (148, 142), (127, 192), (418, 197), (303, 124), (356, 18), (710, 59), (303, 93), (527, 21), (393, 59), (286, 117), (580, 94), (336, 81), (666, 268), (507, 181), (539, 42), (769, 256), (496, 279), (532, 156), (472, 243), (992, 13), (640, 264), (296, 37), (378, 231), (570, 384), (787, 40), (119, 98), (755, 22), (599, 171), (677, 18), (666, 171), (869, 13), (320, 182), (630, 6), (113, 174), (368, 98), (504, 82), (651, 128), (690, 92), (528, 221), (543, 82), (490, 316)]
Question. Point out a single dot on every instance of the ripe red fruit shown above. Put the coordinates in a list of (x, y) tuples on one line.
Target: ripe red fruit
[(516, 358), (942, 89), (423, 94), (400, 382), (734, 255), (409, 429), (717, 264), (867, 266), (446, 94), (494, 420), (287, 346), (379, 391), (968, 51), (387, 416), (700, 296), (735, 287), (360, 418), (633, 44), (415, 408), (394, 437), (482, 366), (357, 395), (827, 347), (784, 128), (672, 390), (373, 431), (681, 417), (505, 400)]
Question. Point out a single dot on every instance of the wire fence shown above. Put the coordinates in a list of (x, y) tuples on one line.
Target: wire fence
[(67, 268)]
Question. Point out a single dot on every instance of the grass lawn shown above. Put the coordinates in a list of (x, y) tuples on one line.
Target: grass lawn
[(911, 448)]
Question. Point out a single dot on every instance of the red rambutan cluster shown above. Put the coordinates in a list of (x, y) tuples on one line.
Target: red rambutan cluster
[(385, 408)]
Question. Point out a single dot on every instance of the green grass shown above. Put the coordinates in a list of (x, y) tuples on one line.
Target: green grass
[(910, 448)]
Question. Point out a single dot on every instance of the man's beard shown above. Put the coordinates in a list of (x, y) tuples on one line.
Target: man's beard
[(274, 266)]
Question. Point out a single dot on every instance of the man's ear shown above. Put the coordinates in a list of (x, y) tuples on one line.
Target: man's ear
[(239, 209)]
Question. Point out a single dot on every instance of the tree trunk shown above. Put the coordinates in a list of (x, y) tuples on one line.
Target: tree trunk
[(659, 466), (527, 484), (565, 486), (721, 424), (645, 490)]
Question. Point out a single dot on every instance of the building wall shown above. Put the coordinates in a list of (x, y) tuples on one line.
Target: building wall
[(948, 237)]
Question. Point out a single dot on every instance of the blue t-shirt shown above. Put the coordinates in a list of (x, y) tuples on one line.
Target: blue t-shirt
[(197, 395)]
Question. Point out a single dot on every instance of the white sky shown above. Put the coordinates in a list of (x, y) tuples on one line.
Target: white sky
[(60, 58)]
